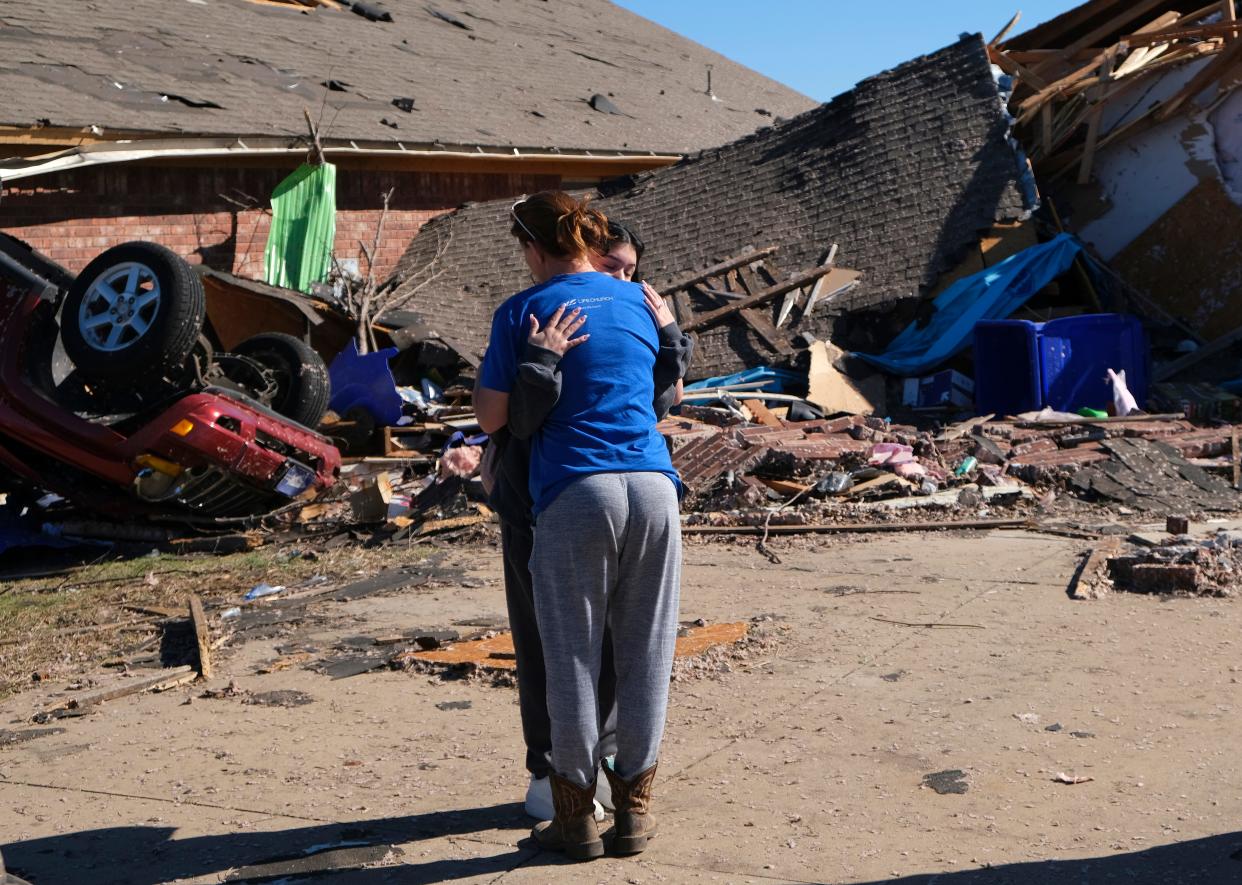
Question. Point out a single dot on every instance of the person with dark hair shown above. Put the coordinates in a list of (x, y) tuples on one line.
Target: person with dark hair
[(623, 252), (604, 495)]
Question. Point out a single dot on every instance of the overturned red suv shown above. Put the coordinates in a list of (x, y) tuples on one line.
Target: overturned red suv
[(112, 395)]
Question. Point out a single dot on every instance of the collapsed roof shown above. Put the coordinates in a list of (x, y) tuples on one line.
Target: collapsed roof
[(577, 74), (903, 172), (1132, 115)]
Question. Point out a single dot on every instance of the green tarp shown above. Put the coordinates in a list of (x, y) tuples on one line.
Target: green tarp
[(299, 245)]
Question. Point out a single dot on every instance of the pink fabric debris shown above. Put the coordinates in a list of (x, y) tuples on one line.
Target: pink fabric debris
[(910, 470), (890, 454), (461, 461)]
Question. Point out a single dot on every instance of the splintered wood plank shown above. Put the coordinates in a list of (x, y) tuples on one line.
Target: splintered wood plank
[(762, 414), (170, 674), (1207, 75), (202, 636), (1004, 32), (715, 317), (497, 653), (749, 257)]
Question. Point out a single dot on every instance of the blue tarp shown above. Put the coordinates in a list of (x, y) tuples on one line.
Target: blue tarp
[(992, 294)]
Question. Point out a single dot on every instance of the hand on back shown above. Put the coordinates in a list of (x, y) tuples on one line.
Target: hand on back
[(557, 335)]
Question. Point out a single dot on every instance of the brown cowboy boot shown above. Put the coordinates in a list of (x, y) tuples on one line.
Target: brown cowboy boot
[(632, 800), (573, 830)]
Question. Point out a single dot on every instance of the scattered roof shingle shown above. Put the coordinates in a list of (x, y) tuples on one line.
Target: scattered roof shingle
[(903, 172), (506, 73)]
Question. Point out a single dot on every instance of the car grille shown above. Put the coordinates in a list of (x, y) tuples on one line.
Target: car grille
[(214, 493)]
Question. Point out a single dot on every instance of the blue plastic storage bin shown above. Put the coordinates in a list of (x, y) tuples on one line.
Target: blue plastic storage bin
[(1007, 378), (1075, 354), (1022, 366)]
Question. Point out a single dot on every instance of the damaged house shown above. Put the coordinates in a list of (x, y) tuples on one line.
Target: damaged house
[(113, 129), (904, 174), (1133, 120)]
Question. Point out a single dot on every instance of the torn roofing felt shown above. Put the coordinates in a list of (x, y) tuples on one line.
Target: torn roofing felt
[(903, 172), (495, 73)]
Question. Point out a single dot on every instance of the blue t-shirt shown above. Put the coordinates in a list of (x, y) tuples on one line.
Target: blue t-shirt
[(604, 421)]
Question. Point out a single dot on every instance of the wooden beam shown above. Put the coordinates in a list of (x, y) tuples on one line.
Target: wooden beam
[(848, 528), (712, 318), (1016, 69), (1223, 343), (1029, 106), (202, 636), (756, 319), (1057, 29), (1004, 32), (718, 269), (1210, 73), (127, 688), (1134, 11), (1098, 99), (1230, 13), (1167, 35), (1237, 457)]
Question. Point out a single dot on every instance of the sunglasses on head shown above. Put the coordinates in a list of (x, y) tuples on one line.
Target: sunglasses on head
[(520, 223)]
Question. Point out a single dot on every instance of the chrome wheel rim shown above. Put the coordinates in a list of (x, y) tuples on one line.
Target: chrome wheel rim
[(119, 307)]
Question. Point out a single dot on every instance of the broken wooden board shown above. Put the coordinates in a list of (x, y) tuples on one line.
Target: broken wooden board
[(761, 414), (163, 677), (715, 317), (202, 636), (720, 269), (496, 652)]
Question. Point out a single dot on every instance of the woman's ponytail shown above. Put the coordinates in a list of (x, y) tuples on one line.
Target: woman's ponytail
[(561, 225)]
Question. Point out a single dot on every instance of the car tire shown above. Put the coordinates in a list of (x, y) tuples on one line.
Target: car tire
[(134, 313), (302, 382)]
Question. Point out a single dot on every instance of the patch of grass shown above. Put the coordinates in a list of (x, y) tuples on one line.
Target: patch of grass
[(40, 617)]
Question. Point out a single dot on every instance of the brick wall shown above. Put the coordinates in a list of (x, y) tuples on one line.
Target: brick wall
[(220, 216)]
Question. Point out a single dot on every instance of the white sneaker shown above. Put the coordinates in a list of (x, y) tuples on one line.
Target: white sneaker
[(539, 800)]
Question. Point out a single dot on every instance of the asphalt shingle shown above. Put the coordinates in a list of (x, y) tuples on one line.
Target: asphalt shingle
[(518, 74), (903, 172)]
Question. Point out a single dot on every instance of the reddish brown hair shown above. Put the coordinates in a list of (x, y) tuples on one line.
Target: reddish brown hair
[(560, 225)]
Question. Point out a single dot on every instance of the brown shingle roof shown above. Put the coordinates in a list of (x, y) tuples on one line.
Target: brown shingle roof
[(518, 74), (903, 172)]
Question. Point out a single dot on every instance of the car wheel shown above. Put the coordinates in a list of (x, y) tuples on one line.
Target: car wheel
[(135, 312), (302, 386)]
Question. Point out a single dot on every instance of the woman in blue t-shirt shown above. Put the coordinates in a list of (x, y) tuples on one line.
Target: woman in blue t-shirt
[(605, 499)]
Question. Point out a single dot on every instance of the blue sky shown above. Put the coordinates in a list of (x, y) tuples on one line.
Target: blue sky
[(824, 47)]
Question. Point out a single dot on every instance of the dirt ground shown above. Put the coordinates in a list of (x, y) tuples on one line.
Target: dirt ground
[(803, 761)]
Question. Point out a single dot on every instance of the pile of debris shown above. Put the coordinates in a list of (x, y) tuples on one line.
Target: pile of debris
[(1182, 566), (1172, 565)]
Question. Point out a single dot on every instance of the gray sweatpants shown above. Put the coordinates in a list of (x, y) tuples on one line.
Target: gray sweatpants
[(608, 549)]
